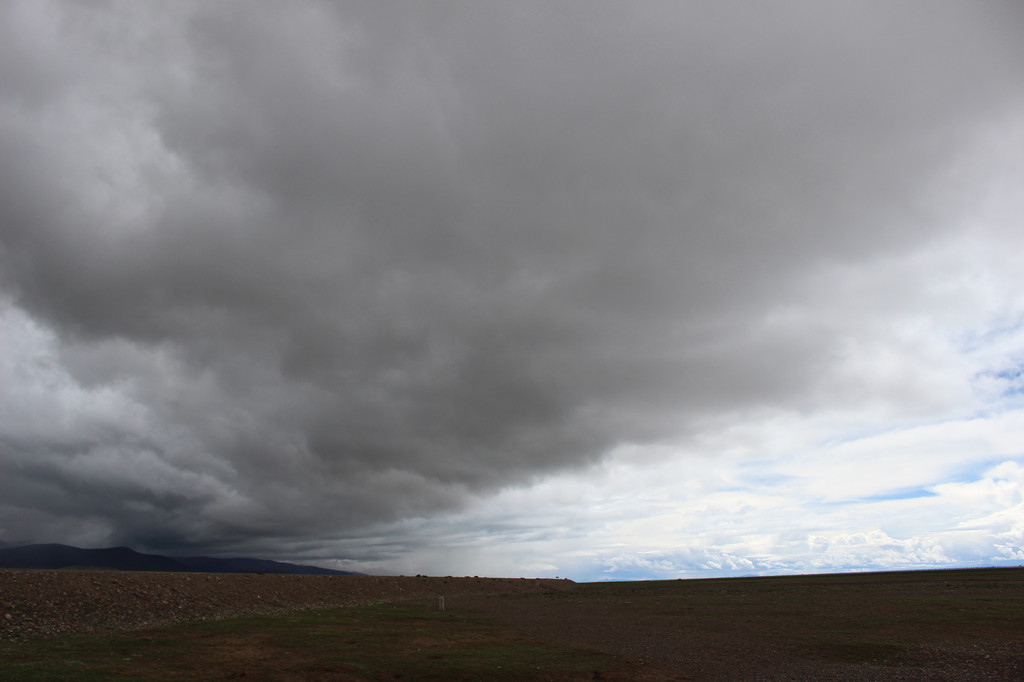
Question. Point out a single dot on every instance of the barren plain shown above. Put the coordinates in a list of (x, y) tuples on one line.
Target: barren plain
[(930, 625)]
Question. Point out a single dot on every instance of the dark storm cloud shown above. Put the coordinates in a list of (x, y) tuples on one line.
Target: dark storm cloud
[(353, 262)]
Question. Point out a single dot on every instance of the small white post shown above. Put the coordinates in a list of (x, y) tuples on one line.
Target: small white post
[(440, 603)]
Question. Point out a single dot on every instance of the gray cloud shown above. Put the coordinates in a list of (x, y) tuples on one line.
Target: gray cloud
[(349, 264)]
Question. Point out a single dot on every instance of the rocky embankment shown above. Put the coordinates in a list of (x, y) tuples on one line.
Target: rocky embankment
[(36, 603)]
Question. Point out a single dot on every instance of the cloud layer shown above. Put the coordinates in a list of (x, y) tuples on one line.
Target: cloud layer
[(280, 276)]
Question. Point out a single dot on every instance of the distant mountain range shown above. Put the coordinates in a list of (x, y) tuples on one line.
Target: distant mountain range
[(53, 556)]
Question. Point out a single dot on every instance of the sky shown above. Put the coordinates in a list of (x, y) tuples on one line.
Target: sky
[(596, 290)]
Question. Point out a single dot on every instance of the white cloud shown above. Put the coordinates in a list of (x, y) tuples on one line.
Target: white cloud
[(656, 521), (42, 399), (678, 289)]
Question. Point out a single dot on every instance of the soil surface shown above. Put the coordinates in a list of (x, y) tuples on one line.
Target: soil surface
[(40, 603), (935, 625), (946, 625)]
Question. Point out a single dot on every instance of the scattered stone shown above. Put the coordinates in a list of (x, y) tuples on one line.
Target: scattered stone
[(59, 602)]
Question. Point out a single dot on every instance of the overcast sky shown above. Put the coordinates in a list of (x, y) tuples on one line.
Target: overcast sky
[(593, 289)]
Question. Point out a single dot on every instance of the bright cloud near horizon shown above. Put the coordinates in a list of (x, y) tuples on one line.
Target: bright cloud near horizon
[(600, 290)]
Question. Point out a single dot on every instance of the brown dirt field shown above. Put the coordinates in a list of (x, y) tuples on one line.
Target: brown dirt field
[(940, 625), (936, 625), (40, 603)]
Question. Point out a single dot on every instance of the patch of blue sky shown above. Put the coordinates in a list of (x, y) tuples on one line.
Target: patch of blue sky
[(616, 575), (970, 472), (760, 483), (900, 494), (855, 435), (1013, 379), (911, 493), (1009, 380), (758, 475), (1004, 328)]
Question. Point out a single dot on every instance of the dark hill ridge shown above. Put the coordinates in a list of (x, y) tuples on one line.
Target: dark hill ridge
[(205, 564), (54, 556)]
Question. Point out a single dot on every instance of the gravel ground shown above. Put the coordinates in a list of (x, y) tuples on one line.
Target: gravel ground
[(969, 626), (36, 603), (663, 647)]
